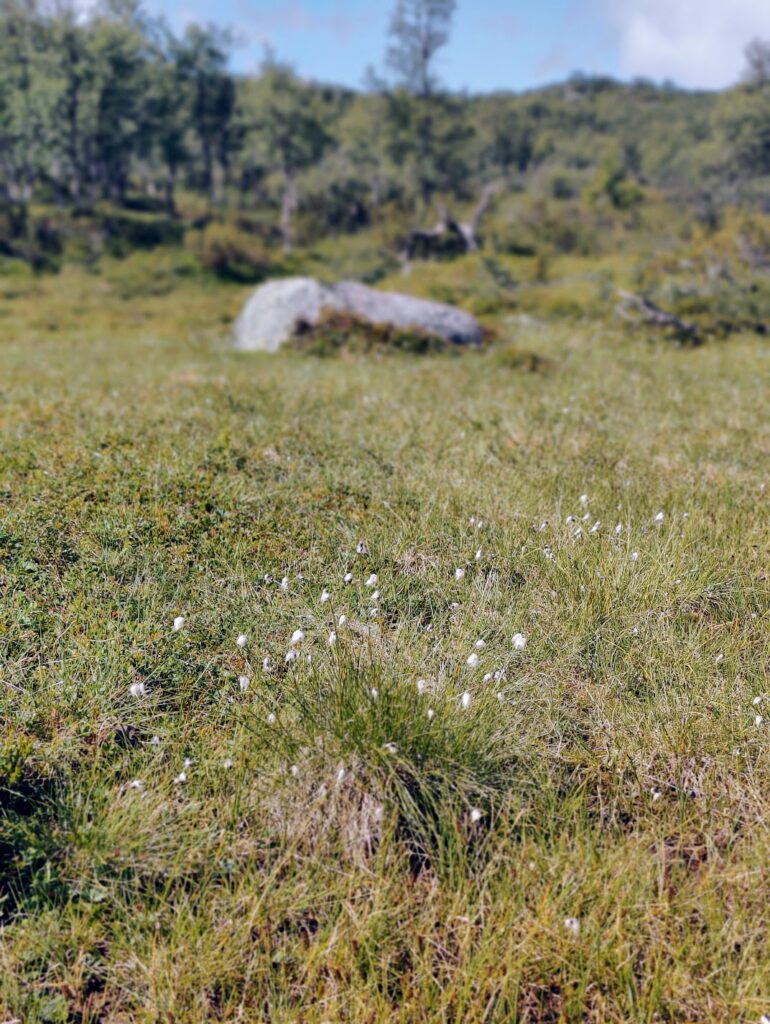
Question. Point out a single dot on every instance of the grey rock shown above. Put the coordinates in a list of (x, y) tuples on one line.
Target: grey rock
[(276, 309)]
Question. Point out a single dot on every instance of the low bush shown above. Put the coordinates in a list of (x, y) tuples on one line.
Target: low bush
[(232, 254)]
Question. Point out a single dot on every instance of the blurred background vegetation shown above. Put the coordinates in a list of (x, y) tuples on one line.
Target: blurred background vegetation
[(117, 136)]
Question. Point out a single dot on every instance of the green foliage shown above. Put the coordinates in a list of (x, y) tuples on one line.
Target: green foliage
[(232, 254), (343, 334)]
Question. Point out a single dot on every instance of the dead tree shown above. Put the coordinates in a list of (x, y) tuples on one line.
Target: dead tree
[(638, 308), (449, 234)]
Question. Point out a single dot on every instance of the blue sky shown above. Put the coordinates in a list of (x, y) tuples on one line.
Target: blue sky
[(511, 44)]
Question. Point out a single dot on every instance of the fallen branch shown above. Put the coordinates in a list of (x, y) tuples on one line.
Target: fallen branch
[(638, 307), (448, 231)]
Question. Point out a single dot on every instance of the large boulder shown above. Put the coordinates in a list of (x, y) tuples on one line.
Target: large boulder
[(277, 309)]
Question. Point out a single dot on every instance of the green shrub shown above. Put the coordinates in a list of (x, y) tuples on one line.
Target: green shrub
[(232, 254), (338, 333)]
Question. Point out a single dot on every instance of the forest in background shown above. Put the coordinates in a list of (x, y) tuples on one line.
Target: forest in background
[(117, 135)]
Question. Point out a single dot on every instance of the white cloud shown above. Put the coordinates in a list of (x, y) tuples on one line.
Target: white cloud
[(697, 43)]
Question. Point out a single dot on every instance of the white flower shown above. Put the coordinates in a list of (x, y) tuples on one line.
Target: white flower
[(181, 778), (660, 517), (376, 596), (757, 701), (187, 763), (155, 741), (656, 795), (586, 517), (584, 499), (421, 686), (297, 637), (519, 641), (268, 578), (595, 527), (227, 763), (459, 574), (325, 596), (242, 640), (473, 660), (340, 775), (137, 689), (361, 548), (136, 784), (479, 554), (243, 682), (634, 556), (375, 693), (480, 645), (764, 1019), (348, 577), (178, 623), (294, 770), (285, 583), (390, 747), (342, 621), (476, 815), (488, 677), (465, 701), (372, 581), (572, 925), (291, 656), (619, 529), (758, 721), (267, 665), (332, 638), (571, 520), (271, 719), (501, 697), (480, 524), (431, 713)]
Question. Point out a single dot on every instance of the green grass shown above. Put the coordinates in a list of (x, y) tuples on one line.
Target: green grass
[(325, 864)]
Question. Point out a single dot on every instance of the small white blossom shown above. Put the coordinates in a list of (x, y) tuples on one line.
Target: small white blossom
[(758, 720), (285, 583), (421, 686), (479, 555), (465, 701), (297, 637), (584, 499), (291, 656), (480, 645), (476, 815), (431, 714), (242, 640), (656, 795), (332, 638), (178, 623), (390, 747), (473, 660), (372, 581), (459, 574), (375, 596), (181, 778), (634, 556), (294, 770), (271, 719), (660, 517), (572, 925), (227, 763), (757, 701), (325, 596), (519, 641), (243, 682), (340, 775), (137, 689), (595, 527), (267, 665), (136, 784), (342, 621), (361, 548), (619, 529), (348, 577), (375, 693)]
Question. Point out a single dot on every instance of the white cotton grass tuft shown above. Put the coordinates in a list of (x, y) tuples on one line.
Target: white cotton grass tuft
[(242, 640), (758, 721), (291, 657), (391, 748), (757, 701), (136, 784), (348, 577), (332, 638), (519, 642), (634, 556), (431, 714), (285, 583), (181, 778), (325, 596), (480, 645), (479, 555), (243, 683), (659, 517), (584, 499), (372, 581), (294, 770), (422, 686), (465, 701), (459, 574), (342, 621), (271, 719), (297, 637), (361, 548), (228, 763), (573, 926), (374, 692), (179, 622), (137, 690), (472, 661), (476, 815), (375, 596), (267, 665)]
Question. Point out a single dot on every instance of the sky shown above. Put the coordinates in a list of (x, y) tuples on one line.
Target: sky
[(499, 44)]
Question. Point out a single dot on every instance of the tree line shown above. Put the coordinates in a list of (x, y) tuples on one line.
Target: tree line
[(111, 105)]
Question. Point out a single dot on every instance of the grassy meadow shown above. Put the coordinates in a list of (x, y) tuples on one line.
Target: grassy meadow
[(376, 806)]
